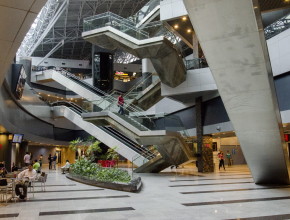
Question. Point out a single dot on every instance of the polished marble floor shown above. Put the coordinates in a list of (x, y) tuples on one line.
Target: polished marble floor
[(173, 194)]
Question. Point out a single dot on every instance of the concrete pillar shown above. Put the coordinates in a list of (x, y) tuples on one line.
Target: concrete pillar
[(5, 151), (231, 35), (26, 62), (199, 132), (195, 46), (147, 66)]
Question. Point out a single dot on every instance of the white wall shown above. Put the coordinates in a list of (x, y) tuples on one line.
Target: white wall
[(167, 105), (196, 81), (147, 66), (170, 9), (81, 64), (127, 67), (279, 51)]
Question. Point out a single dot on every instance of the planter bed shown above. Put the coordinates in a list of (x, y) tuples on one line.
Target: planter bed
[(133, 186)]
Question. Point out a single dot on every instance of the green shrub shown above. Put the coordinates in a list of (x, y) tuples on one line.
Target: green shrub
[(94, 171)]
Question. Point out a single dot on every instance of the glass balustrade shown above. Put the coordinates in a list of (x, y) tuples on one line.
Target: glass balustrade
[(197, 63), (115, 21), (277, 27), (145, 10), (143, 84)]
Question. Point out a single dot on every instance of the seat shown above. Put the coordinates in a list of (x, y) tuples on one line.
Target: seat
[(6, 189), (65, 170), (40, 179)]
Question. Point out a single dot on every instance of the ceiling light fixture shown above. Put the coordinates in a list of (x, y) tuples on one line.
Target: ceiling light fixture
[(188, 30), (184, 18), (176, 26)]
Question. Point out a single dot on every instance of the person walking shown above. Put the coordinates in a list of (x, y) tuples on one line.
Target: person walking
[(40, 160), (26, 159), (229, 158), (221, 159), (121, 104), (54, 162), (49, 162)]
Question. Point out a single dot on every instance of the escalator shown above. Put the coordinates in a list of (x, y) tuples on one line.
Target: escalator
[(147, 13), (136, 125), (108, 135), (133, 145), (111, 31)]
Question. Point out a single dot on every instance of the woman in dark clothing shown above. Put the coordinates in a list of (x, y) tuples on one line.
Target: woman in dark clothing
[(49, 162)]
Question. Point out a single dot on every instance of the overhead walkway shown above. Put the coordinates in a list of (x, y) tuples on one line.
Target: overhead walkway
[(111, 31)]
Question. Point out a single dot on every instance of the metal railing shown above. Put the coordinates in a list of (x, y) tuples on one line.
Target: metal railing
[(115, 21), (277, 27), (197, 63), (80, 81), (141, 86), (144, 11)]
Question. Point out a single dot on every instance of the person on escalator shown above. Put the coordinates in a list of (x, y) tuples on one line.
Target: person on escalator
[(121, 104)]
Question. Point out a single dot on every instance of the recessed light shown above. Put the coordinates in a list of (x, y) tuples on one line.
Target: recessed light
[(189, 30), (176, 26), (184, 18)]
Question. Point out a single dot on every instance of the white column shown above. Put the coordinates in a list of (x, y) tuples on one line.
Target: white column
[(231, 36)]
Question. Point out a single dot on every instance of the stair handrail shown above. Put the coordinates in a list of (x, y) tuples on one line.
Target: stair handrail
[(141, 82), (184, 132), (135, 157), (67, 73), (113, 20), (149, 6), (142, 151), (277, 27)]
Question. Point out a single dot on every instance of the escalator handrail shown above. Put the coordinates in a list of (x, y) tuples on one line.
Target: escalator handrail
[(134, 147), (128, 140)]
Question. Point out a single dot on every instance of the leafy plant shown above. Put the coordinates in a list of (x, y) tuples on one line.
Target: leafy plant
[(74, 144), (94, 171), (94, 147), (112, 154), (88, 146)]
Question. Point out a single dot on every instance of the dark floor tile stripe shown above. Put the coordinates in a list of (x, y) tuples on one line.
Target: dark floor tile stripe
[(77, 198), (209, 184), (236, 174), (73, 190), (86, 211), (211, 179), (232, 190), (270, 217), (9, 215), (58, 185), (235, 201)]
